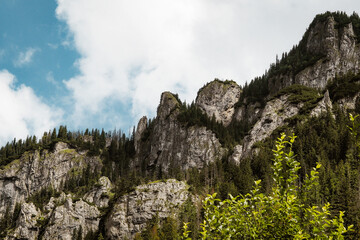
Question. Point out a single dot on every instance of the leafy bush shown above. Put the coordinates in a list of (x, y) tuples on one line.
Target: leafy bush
[(286, 213)]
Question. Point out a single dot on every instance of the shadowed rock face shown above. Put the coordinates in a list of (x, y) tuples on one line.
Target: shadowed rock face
[(218, 99), (172, 145), (167, 144)]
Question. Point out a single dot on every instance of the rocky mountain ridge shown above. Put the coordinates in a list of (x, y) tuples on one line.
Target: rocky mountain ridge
[(181, 140)]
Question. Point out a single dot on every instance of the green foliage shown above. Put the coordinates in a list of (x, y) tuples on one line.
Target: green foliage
[(77, 234), (8, 221), (309, 97), (285, 213), (189, 214), (299, 94), (42, 197), (255, 91), (169, 229), (42, 223), (344, 86), (186, 232), (341, 19), (80, 181)]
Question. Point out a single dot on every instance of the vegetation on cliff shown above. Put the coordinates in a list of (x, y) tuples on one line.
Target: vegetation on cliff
[(295, 189)]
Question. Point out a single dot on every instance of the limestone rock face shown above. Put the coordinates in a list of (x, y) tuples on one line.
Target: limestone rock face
[(237, 155), (168, 104), (273, 116), (349, 103), (26, 224), (218, 99), (64, 215), (100, 194), (322, 106), (172, 145), (250, 112), (141, 127), (36, 170), (341, 55), (71, 216), (132, 211)]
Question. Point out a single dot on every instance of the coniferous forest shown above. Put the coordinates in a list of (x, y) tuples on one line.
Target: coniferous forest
[(323, 164)]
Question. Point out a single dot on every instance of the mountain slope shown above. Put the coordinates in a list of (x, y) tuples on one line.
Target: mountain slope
[(92, 184)]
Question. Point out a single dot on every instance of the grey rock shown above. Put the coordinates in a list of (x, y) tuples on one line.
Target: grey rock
[(100, 194), (26, 225), (132, 211), (349, 103), (249, 112), (141, 127), (273, 116), (37, 170), (322, 106), (218, 99), (173, 145), (71, 216), (237, 155), (341, 53)]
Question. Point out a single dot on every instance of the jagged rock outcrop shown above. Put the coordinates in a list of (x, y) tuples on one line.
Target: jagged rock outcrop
[(132, 211), (218, 99), (27, 226), (349, 103), (324, 105), (168, 145), (63, 215), (70, 217), (141, 127), (273, 116), (341, 55), (100, 194), (237, 154), (37, 170), (173, 145), (249, 112)]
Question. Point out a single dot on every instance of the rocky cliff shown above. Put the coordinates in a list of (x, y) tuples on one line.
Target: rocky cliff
[(133, 211), (38, 170), (169, 144), (69, 215), (340, 51), (121, 197), (218, 99)]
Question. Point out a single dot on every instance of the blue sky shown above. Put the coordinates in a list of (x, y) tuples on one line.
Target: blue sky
[(104, 64), (31, 26)]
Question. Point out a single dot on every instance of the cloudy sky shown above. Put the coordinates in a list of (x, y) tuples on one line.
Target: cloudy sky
[(104, 63)]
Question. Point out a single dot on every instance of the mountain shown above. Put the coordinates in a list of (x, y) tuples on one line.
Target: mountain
[(96, 185)]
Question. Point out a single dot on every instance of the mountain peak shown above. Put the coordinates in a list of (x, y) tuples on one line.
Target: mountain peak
[(218, 98), (168, 102), (328, 48)]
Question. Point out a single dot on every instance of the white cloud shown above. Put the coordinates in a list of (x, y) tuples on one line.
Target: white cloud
[(25, 57), (131, 51), (50, 78), (53, 46), (22, 112)]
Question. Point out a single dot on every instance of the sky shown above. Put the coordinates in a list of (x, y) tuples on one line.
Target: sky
[(104, 63)]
